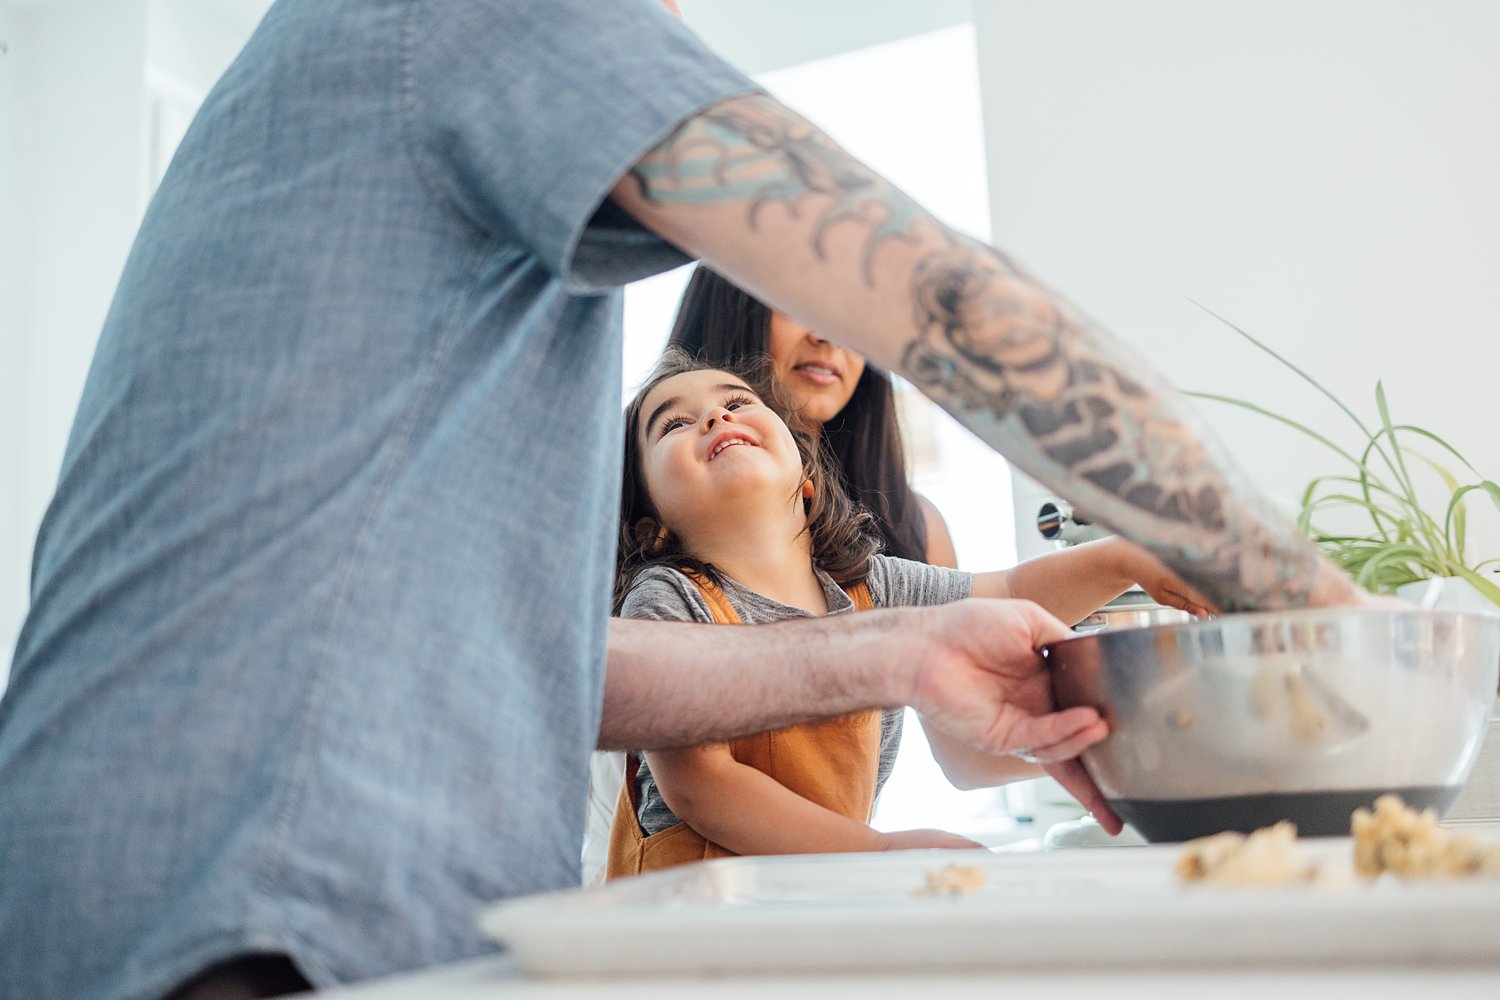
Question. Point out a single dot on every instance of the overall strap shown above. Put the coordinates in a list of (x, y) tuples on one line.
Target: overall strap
[(718, 603), (723, 611), (859, 593)]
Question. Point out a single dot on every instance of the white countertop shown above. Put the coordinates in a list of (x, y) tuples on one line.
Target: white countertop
[(491, 978), (1243, 971)]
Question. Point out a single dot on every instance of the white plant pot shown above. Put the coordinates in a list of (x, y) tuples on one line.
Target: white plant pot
[(1451, 593)]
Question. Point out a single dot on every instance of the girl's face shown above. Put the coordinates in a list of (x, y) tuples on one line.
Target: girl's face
[(709, 446), (819, 376)]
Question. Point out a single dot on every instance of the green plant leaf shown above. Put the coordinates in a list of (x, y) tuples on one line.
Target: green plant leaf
[(1494, 492), (1300, 373), (1420, 432), (1385, 522), (1402, 474), (1455, 520), (1374, 486), (1388, 568), (1404, 542), (1244, 404)]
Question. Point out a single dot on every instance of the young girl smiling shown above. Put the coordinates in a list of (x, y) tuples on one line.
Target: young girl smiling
[(728, 516)]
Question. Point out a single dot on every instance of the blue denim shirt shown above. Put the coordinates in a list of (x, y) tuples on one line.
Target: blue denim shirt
[(315, 655)]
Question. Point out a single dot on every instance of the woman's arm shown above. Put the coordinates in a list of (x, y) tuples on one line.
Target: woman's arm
[(749, 812), (964, 765), (1075, 582), (967, 766), (940, 551)]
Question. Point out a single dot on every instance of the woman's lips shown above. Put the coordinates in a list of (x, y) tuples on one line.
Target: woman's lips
[(818, 374)]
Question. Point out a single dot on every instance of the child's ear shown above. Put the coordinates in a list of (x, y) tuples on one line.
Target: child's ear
[(647, 527)]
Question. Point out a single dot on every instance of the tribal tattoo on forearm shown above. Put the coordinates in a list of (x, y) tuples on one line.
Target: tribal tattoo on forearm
[(1008, 357)]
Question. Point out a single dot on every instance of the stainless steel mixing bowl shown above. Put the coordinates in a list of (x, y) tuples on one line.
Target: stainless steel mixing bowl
[(1241, 721)]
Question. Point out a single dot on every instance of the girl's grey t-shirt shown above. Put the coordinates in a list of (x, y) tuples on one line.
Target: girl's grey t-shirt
[(316, 648), (664, 594)]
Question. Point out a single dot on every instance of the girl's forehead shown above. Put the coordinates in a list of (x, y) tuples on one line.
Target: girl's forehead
[(706, 381)]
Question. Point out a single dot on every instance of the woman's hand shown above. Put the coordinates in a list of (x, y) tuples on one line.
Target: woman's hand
[(911, 840), (1160, 584)]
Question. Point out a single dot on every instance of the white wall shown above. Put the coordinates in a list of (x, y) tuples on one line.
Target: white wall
[(773, 34), (194, 42), (1323, 174), (13, 127), (85, 86), (77, 93)]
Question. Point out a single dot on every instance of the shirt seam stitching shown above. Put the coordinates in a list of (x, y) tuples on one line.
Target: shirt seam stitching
[(278, 857)]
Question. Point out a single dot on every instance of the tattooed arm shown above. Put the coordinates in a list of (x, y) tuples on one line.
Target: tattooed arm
[(767, 199)]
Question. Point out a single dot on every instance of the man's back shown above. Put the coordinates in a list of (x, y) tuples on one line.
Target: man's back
[(314, 657)]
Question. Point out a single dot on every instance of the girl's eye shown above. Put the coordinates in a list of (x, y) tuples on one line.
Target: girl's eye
[(735, 402), (672, 423)]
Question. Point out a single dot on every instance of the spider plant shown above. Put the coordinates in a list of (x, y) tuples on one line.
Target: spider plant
[(1397, 540)]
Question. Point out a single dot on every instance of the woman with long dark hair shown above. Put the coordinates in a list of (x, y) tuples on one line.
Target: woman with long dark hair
[(851, 405)]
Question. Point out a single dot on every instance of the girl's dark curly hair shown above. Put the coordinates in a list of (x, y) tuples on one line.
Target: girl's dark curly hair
[(724, 325), (842, 533)]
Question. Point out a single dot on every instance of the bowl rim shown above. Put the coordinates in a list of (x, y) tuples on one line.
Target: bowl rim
[(1294, 615)]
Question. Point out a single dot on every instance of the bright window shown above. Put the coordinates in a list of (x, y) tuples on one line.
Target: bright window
[(911, 110)]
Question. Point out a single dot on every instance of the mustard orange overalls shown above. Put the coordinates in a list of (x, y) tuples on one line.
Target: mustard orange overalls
[(832, 762)]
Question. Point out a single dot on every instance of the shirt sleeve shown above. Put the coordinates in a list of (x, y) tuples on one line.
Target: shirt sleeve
[(525, 115), (903, 583), (662, 594)]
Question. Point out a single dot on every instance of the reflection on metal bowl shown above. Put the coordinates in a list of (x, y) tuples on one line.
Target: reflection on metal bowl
[(1132, 609), (1238, 722), (1108, 619)]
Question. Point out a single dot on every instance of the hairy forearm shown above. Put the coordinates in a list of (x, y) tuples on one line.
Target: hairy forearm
[(772, 202), (671, 684), (749, 812)]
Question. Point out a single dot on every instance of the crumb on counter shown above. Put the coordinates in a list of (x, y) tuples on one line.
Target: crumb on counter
[(1392, 839), (953, 880), (1266, 857), (1396, 839)]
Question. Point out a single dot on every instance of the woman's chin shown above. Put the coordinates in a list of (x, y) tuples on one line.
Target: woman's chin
[(817, 410)]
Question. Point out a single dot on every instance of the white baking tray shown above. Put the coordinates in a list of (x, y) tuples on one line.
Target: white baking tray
[(1070, 909)]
